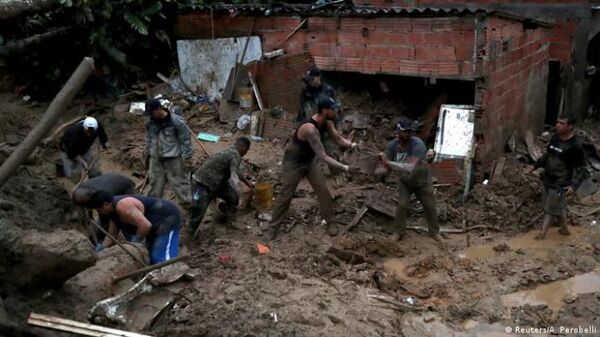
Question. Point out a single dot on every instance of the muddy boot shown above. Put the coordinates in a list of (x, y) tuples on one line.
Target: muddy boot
[(563, 227), (270, 233), (437, 237), (332, 229)]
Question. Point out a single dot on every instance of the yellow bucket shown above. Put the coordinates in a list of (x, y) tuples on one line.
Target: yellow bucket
[(263, 197), (246, 97)]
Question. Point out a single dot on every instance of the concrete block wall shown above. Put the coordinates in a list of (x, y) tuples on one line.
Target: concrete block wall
[(513, 95)]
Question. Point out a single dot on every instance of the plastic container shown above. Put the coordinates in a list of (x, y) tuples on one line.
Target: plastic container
[(263, 195), (246, 97)]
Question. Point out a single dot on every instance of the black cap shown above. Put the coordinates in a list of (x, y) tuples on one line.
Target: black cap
[(327, 103), (406, 124), (151, 105), (314, 72)]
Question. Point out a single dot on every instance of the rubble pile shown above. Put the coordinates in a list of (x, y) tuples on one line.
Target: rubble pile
[(508, 203)]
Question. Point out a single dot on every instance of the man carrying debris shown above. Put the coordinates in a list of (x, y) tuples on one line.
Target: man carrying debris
[(168, 144), (408, 155), (75, 146), (301, 160), (312, 93), (214, 180), (139, 217), (564, 170)]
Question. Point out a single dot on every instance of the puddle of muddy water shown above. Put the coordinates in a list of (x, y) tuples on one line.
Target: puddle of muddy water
[(553, 294), (527, 242)]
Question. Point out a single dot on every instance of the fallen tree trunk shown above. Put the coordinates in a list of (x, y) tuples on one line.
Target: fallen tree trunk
[(22, 46), (58, 105), (12, 8)]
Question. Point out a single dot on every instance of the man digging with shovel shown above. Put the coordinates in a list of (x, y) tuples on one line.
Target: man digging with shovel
[(140, 217)]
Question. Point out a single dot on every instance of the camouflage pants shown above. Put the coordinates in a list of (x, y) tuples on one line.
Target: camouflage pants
[(171, 170)]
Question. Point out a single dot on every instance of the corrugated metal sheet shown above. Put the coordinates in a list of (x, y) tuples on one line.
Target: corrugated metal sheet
[(344, 10), (332, 10)]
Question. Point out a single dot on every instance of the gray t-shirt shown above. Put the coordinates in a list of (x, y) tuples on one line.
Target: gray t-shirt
[(415, 148)]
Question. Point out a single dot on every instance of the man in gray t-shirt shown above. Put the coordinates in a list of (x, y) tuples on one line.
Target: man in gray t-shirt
[(408, 155)]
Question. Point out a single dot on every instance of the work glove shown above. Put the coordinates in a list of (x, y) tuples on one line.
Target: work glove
[(99, 247)]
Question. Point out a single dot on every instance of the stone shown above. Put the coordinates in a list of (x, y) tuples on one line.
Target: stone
[(570, 298), (42, 259)]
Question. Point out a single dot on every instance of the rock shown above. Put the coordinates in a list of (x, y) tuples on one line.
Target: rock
[(570, 298), (42, 259), (95, 283), (429, 325)]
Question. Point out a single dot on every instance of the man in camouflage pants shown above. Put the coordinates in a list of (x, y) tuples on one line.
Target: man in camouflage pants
[(168, 144)]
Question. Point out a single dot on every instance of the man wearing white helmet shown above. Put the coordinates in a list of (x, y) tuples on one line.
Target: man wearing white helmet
[(75, 146)]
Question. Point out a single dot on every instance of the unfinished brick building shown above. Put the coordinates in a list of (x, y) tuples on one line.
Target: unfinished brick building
[(504, 56)]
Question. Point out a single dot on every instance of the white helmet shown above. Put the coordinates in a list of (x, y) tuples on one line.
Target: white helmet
[(90, 123)]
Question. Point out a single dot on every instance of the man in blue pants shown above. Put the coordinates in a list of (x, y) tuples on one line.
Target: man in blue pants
[(139, 217)]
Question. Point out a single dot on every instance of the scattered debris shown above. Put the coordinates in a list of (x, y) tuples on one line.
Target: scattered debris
[(83, 329)]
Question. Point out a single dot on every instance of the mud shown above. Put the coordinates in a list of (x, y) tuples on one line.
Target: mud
[(311, 284)]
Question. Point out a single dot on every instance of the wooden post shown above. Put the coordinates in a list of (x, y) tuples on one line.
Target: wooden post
[(58, 105)]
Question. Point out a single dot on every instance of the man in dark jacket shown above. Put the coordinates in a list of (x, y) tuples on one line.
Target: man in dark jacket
[(564, 170), (75, 146), (168, 144), (314, 90)]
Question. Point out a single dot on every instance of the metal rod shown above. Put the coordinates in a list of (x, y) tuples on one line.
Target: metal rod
[(85, 329), (149, 268), (117, 242)]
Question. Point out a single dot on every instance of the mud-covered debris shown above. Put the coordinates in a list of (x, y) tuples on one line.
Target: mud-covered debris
[(348, 256)]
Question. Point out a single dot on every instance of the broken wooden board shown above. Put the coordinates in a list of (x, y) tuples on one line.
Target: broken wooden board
[(381, 206), (83, 329), (361, 212)]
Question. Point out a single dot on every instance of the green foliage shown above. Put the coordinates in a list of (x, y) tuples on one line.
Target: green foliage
[(120, 29)]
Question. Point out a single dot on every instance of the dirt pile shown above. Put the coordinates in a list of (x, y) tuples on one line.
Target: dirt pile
[(95, 283), (40, 258), (510, 202)]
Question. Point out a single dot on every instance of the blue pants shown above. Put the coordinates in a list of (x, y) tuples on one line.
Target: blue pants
[(164, 247)]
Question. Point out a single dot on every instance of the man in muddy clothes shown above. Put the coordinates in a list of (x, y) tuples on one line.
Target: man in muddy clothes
[(213, 180), (168, 145), (75, 146), (564, 170), (140, 217), (301, 160), (408, 155), (113, 183)]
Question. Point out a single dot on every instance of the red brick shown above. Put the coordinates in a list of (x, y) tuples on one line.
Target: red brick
[(352, 38), (371, 65), (394, 24), (389, 65), (408, 67), (448, 68), (352, 23), (322, 23), (377, 52), (421, 24), (435, 53), (428, 68), (402, 52), (415, 38)]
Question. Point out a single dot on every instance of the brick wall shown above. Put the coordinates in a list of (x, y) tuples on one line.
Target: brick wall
[(440, 46), (513, 97), (448, 171), (428, 46), (279, 82)]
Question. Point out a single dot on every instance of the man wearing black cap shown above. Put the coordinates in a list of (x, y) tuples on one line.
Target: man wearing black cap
[(312, 92), (168, 144), (408, 155), (300, 160)]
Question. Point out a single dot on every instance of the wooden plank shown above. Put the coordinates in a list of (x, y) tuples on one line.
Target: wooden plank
[(381, 206), (499, 168), (86, 329), (149, 268), (361, 212)]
